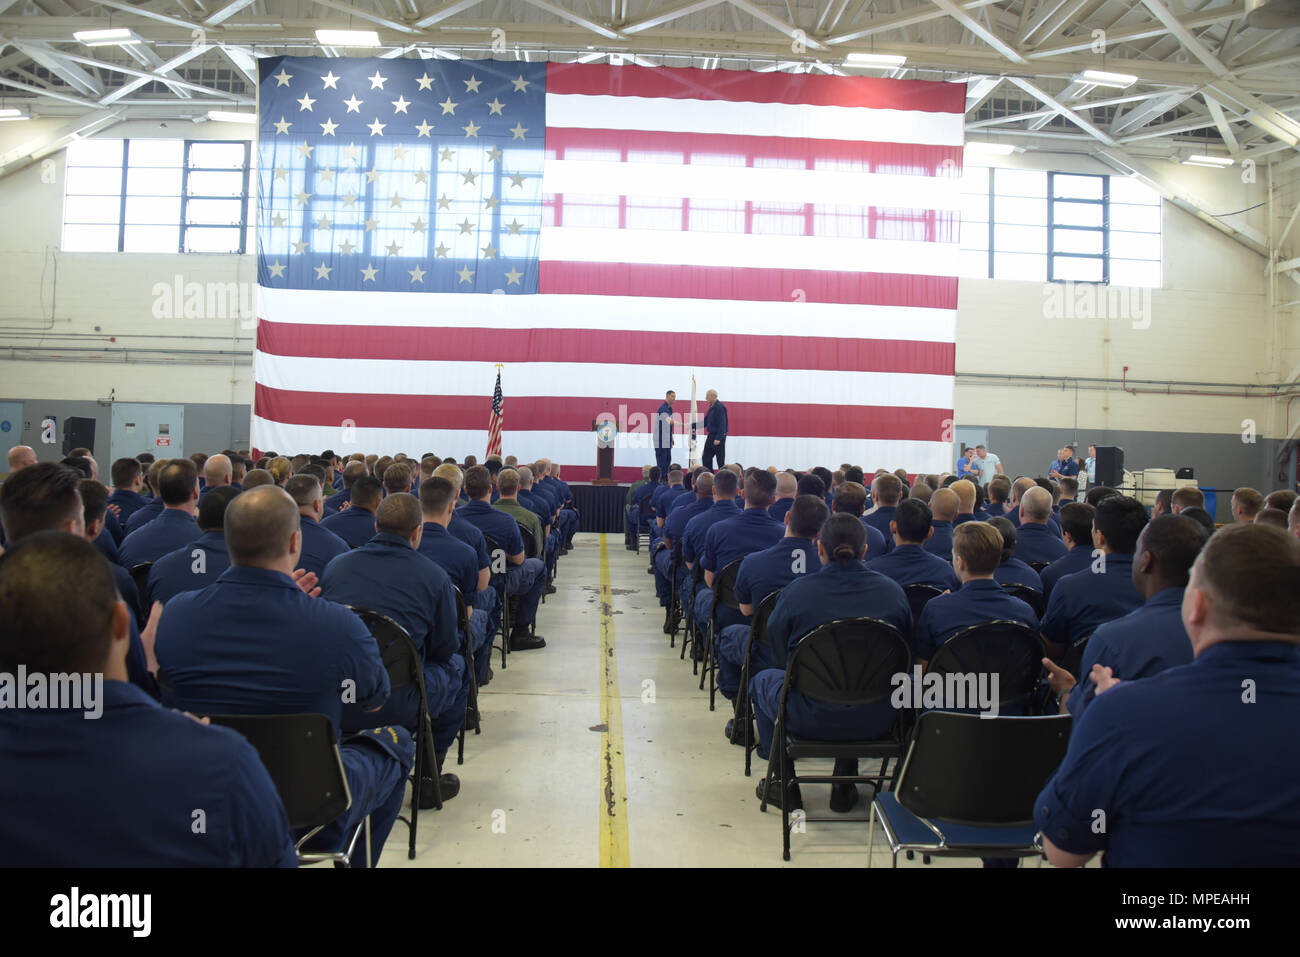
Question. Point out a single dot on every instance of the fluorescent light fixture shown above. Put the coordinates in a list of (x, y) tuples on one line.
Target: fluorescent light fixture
[(1101, 78), (12, 113), (1215, 162), (119, 36), (348, 38), (880, 61), (229, 116), (990, 149)]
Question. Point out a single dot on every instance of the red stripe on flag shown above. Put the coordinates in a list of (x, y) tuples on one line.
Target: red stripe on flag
[(634, 347), (575, 414), (762, 285), (904, 159), (743, 86)]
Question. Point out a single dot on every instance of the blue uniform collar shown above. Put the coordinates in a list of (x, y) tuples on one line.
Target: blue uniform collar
[(477, 505), (389, 540), (308, 519), (434, 529), (1226, 651), (215, 540), (176, 515), (248, 575), (936, 523), (907, 549), (1166, 596), (843, 568), (983, 584), (727, 503)]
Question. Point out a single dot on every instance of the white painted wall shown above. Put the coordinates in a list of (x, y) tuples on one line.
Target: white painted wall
[(1210, 322)]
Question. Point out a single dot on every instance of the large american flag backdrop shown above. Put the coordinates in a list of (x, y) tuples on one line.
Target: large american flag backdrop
[(605, 232)]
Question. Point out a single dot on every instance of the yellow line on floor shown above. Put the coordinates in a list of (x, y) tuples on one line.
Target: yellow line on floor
[(613, 779)]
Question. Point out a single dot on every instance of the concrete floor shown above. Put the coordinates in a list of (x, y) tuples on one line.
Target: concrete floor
[(535, 784)]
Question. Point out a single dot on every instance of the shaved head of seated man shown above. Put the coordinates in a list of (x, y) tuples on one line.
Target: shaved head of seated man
[(20, 457)]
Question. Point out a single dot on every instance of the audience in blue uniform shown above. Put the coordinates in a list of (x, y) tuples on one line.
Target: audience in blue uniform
[(1198, 765), (243, 613)]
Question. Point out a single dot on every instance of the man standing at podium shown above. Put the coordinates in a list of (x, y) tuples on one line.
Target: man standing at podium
[(663, 432), (715, 423)]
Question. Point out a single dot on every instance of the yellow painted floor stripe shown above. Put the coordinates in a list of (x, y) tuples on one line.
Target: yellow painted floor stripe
[(613, 778)]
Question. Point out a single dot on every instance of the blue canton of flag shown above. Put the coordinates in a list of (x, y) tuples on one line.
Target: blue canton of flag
[(400, 175)]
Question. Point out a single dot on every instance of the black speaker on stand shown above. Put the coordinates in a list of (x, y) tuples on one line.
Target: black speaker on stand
[(78, 433), (1110, 465)]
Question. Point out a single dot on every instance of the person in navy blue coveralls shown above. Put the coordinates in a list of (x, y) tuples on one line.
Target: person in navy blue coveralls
[(198, 564), (356, 523), (1035, 540), (461, 563), (886, 489), (525, 577), (642, 508), (943, 510), (546, 476), (728, 541), (1082, 601), (976, 552), (1012, 514), (46, 497), (540, 502), (670, 545), (787, 488), (125, 499), (351, 472), (851, 498), (319, 545), (843, 588), (716, 424), (292, 654), (1076, 531), (153, 505), (218, 472), (1151, 638), (1199, 765), (724, 507), (661, 500), (762, 573), (1065, 466), (175, 525), (1012, 570), (909, 563), (664, 428), (390, 576), (125, 788)]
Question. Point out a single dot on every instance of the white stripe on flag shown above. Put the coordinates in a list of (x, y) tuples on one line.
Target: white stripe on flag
[(738, 250), (702, 181), (595, 380), (785, 120), (831, 320)]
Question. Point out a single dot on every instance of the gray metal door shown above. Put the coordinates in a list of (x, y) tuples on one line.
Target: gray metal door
[(144, 427)]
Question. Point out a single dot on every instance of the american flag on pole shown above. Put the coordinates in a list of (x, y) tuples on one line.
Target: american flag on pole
[(495, 419), (605, 230)]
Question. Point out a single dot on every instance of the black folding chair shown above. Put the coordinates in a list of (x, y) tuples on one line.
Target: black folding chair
[(918, 593), (673, 613), (140, 575), (969, 784), (1029, 595), (499, 581), (744, 706), (724, 596), (530, 550), (405, 668), (301, 754), (691, 636), (1038, 566), (1072, 660), (849, 661), (1008, 649), (471, 703)]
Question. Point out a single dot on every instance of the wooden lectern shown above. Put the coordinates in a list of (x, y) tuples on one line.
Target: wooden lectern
[(606, 431)]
